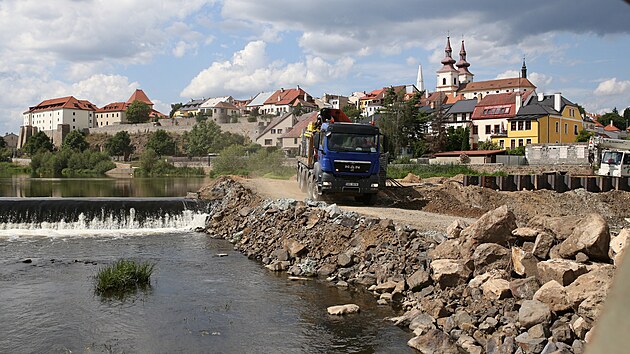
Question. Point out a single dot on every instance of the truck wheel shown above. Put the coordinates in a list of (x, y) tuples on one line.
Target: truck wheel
[(368, 198), (302, 180), (312, 190)]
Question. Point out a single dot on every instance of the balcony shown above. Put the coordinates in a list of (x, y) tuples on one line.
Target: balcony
[(499, 134)]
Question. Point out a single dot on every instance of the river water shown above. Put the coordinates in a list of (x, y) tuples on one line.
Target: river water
[(198, 302)]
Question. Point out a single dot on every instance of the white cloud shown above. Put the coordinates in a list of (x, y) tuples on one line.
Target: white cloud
[(250, 71), (613, 87)]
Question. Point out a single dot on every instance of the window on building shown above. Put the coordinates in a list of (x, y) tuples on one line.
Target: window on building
[(513, 144), (267, 141), (528, 125), (566, 128), (520, 142), (512, 126), (475, 130), (557, 127), (454, 81), (496, 128), (520, 125), (444, 82), (488, 128), (74, 120), (575, 129), (528, 141), (501, 143), (295, 141), (74, 113), (273, 131), (279, 131)]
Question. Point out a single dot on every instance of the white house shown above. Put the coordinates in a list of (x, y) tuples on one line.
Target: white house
[(272, 134), (47, 115)]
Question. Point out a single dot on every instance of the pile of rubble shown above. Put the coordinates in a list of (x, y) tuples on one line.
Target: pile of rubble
[(491, 286)]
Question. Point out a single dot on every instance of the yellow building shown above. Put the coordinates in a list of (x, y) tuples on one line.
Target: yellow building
[(544, 119)]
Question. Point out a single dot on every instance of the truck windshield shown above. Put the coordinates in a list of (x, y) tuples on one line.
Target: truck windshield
[(612, 157), (352, 142)]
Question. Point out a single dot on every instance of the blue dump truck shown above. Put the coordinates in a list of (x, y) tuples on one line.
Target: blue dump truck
[(338, 157)]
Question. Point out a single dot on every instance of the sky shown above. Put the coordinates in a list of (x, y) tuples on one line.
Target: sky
[(177, 50)]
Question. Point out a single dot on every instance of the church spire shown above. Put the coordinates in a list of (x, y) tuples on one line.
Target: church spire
[(448, 59), (462, 64), (524, 70)]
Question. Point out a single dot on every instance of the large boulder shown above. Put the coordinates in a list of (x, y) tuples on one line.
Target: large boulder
[(524, 288), (448, 249), (489, 256), (494, 226), (524, 263), (592, 307), (590, 236), (343, 309), (525, 233), (533, 312), (618, 246), (595, 282), (295, 247), (455, 228), (554, 295), (542, 245), (418, 280), (449, 272), (563, 271), (561, 227), (496, 289), (433, 342)]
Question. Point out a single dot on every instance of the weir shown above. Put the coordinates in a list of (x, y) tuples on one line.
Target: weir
[(101, 213)]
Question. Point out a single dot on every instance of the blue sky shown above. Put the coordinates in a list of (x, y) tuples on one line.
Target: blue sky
[(178, 50)]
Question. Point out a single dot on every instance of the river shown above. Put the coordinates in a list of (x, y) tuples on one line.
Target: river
[(199, 302)]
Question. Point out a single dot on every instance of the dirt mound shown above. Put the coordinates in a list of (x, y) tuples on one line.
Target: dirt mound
[(411, 178)]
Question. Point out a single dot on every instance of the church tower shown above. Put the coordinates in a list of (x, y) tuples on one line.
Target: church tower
[(447, 76), (420, 80), (465, 76)]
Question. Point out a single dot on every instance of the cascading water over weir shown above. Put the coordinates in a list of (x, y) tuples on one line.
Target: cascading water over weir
[(102, 213)]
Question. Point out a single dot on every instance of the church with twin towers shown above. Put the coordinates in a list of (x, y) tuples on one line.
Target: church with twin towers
[(455, 81)]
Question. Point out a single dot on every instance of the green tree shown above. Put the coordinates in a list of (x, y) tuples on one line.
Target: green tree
[(120, 145), (584, 136), (75, 140), (231, 161), (206, 137), (37, 143), (162, 143), (520, 151), (617, 120), (488, 145), (352, 112), (3, 143), (457, 139), (626, 116), (401, 122), (138, 112), (174, 108), (148, 160)]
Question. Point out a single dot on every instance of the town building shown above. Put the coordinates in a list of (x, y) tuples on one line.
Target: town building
[(11, 140), (57, 117), (272, 134), (490, 117), (191, 108), (292, 139), (543, 119), (286, 100), (116, 113), (221, 109), (255, 105), (459, 115)]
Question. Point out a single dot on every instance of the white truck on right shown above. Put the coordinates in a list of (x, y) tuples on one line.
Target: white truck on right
[(612, 155)]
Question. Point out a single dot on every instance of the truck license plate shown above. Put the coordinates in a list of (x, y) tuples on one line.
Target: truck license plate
[(352, 184)]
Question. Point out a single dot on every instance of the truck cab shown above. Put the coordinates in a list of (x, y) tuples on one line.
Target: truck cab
[(340, 158), (614, 163)]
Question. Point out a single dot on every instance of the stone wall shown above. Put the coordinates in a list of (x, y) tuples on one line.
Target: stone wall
[(557, 154)]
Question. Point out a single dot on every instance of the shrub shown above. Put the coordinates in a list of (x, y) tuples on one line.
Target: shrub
[(122, 276)]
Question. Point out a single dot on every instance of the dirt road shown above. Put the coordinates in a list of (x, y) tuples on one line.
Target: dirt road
[(421, 220)]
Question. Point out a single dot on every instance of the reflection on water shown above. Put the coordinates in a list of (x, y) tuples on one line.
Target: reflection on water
[(198, 302), (25, 186)]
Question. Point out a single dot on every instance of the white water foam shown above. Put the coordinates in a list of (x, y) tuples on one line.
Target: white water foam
[(106, 226)]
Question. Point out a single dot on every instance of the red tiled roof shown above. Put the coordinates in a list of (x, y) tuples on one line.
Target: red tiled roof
[(139, 95), (469, 153), (374, 95), (285, 97), (68, 102), (296, 131), (156, 114), (113, 107), (611, 128), (225, 105), (514, 82)]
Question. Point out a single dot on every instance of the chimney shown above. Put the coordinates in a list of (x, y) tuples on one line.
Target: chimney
[(541, 96), (519, 102), (557, 101)]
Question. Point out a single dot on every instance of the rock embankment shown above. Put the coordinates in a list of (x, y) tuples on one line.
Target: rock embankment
[(489, 287)]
